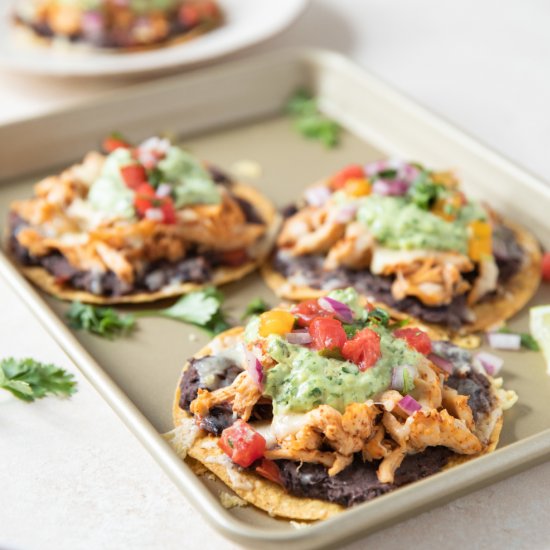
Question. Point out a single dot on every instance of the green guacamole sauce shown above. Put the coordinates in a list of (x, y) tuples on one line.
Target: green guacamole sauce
[(303, 379), (399, 224)]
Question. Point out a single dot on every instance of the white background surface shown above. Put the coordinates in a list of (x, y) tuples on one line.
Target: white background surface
[(72, 477)]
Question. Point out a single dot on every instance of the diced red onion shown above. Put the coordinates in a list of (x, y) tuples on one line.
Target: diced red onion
[(441, 362), (299, 337), (155, 214), (503, 340), (491, 363), (254, 368), (390, 188), (409, 405), (163, 190), (372, 168), (342, 311), (317, 196), (397, 379), (346, 213)]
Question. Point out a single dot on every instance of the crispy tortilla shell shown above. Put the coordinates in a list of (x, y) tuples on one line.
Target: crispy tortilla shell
[(255, 489), (222, 275), (512, 296)]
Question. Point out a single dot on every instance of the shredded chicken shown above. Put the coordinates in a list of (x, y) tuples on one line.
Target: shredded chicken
[(242, 394), (374, 448), (432, 283), (310, 231), (354, 250)]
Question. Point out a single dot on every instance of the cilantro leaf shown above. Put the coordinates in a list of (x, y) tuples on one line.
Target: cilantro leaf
[(379, 316), (310, 122), (103, 321), (424, 191), (202, 308), (28, 379), (255, 307)]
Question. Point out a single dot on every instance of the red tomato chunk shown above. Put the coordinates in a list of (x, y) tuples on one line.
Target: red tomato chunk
[(350, 172), (363, 349), (546, 266), (327, 333), (270, 470), (134, 175), (306, 311), (242, 444), (416, 338)]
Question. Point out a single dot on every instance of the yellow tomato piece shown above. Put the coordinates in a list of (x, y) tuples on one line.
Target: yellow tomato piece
[(357, 187), (481, 240), (276, 322)]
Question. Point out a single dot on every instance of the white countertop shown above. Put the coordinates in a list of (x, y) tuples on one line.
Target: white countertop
[(73, 477)]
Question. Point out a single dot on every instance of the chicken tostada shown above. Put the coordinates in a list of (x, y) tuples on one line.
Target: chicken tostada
[(139, 224), (329, 403), (408, 237), (116, 24)]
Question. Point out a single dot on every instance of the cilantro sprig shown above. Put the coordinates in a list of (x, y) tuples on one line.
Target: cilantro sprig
[(202, 309), (310, 122), (103, 321), (28, 379)]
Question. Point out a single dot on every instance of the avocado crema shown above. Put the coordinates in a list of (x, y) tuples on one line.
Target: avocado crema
[(189, 180), (303, 379), (397, 223)]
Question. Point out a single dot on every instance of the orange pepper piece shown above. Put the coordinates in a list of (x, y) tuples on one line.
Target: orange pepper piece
[(481, 241)]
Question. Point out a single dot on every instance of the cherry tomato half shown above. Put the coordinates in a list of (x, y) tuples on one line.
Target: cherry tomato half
[(353, 171), (270, 470), (133, 175), (307, 310), (546, 266)]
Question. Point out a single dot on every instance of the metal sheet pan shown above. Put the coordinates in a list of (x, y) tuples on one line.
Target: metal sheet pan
[(232, 113)]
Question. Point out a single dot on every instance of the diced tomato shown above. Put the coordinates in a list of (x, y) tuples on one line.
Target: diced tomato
[(327, 333), (189, 15), (209, 10), (168, 210), (546, 266), (133, 175), (234, 257), (363, 349), (145, 195), (269, 470), (111, 143), (242, 444), (306, 311), (353, 171), (416, 339)]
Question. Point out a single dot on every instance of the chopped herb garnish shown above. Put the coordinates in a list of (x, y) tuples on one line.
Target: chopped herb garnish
[(424, 192), (202, 308), (155, 177), (527, 341), (387, 174), (255, 307), (28, 379), (379, 316), (315, 392), (408, 384), (310, 122), (331, 353), (103, 321), (394, 325), (351, 330)]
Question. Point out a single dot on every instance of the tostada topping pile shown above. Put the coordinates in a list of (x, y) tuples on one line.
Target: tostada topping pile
[(139, 219), (334, 390), (117, 23), (401, 234)]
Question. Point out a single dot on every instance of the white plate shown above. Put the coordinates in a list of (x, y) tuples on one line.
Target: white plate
[(247, 22)]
